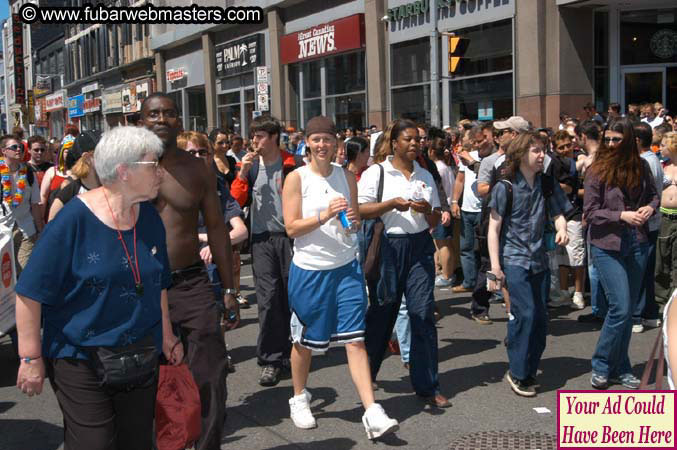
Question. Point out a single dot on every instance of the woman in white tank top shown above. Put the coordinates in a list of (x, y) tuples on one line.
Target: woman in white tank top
[(326, 286)]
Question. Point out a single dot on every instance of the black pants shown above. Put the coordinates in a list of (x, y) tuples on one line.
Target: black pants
[(480, 295), (192, 308), (416, 280), (96, 420), (271, 257)]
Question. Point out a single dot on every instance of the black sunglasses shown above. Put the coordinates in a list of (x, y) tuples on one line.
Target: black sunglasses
[(15, 147), (615, 140)]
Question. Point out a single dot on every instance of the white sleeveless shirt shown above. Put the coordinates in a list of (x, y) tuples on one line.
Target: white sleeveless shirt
[(328, 246)]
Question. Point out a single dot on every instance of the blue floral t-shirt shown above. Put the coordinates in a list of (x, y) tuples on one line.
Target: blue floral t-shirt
[(81, 275)]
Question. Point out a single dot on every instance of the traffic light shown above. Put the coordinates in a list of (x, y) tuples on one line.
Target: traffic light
[(457, 48)]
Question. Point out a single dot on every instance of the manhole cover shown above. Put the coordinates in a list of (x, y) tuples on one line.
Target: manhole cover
[(508, 440)]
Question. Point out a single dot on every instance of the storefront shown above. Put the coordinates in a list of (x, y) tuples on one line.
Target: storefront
[(238, 93), (635, 56), (76, 105), (111, 106), (482, 88), (92, 118), (133, 94), (55, 106), (327, 72), (186, 84)]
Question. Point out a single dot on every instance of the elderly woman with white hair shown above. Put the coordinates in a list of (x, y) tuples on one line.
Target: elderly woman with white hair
[(98, 280)]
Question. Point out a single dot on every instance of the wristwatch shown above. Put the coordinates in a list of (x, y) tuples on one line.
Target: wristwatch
[(229, 291)]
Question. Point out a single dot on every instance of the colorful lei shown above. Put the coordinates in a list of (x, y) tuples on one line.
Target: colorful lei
[(6, 177)]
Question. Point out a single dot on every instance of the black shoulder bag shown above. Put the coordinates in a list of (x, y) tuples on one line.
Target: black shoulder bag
[(126, 367)]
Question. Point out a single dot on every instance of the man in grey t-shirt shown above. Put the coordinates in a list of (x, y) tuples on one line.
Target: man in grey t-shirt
[(266, 206), (260, 182)]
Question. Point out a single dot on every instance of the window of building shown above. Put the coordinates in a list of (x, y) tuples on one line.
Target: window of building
[(236, 107), (483, 87), (648, 36), (410, 62), (333, 86)]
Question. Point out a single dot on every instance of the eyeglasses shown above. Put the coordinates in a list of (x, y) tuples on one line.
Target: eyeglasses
[(198, 152), (615, 140), (155, 164), (39, 149), (15, 147)]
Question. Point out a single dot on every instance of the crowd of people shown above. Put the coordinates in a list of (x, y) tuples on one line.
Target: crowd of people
[(349, 232)]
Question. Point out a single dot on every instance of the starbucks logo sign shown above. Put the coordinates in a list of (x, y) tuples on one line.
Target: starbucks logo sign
[(664, 43)]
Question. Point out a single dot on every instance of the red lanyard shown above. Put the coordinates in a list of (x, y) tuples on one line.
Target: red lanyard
[(136, 274)]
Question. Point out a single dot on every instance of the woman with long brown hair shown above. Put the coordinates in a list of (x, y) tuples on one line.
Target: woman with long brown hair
[(620, 196)]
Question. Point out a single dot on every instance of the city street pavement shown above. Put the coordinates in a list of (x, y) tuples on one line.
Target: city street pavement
[(472, 365)]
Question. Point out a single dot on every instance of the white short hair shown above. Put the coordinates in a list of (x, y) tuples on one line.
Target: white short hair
[(123, 145)]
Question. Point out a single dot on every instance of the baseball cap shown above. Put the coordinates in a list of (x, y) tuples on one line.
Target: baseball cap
[(516, 123)]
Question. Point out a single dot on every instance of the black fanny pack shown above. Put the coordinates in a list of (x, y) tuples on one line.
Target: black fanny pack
[(127, 367)]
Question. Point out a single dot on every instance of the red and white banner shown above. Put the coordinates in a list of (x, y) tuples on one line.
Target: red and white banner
[(7, 281), (326, 39)]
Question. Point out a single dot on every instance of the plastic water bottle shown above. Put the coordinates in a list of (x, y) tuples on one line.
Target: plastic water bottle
[(348, 224)]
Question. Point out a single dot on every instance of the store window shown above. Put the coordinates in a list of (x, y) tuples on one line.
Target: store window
[(410, 62), (482, 88), (482, 98), (333, 86), (235, 110), (649, 37), (197, 110), (412, 103)]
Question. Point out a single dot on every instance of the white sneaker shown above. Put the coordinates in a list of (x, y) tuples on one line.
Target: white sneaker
[(299, 406), (579, 302), (637, 328), (377, 423)]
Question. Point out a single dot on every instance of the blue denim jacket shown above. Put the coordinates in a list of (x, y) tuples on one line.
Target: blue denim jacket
[(522, 233)]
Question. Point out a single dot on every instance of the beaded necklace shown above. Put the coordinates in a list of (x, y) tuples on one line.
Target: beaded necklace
[(21, 182)]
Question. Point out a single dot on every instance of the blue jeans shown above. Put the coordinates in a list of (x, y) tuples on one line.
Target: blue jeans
[(528, 323), (403, 330), (647, 308), (620, 273), (416, 281), (469, 221), (597, 297)]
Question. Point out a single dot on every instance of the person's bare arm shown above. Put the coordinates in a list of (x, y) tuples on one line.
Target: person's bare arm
[(458, 191), (373, 210), (483, 188), (31, 374), (44, 187), (238, 232), (493, 242), (219, 241)]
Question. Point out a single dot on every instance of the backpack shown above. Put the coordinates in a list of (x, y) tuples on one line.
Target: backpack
[(30, 177), (482, 229)]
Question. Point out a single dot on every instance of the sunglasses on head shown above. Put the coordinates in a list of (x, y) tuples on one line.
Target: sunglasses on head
[(199, 152), (615, 140)]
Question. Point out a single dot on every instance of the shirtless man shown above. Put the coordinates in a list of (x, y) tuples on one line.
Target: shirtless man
[(665, 270), (189, 187)]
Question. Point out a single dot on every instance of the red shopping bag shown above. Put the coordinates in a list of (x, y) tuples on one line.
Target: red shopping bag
[(177, 408)]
